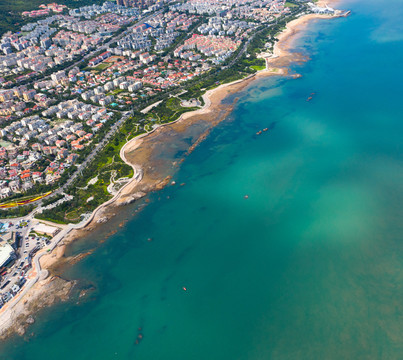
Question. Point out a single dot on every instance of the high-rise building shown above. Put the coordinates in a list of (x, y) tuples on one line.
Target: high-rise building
[(45, 43), (137, 3)]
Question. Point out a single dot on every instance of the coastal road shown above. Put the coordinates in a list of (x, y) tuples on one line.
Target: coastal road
[(245, 46)]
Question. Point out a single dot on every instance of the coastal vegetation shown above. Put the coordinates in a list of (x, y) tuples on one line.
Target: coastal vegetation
[(167, 111), (87, 197), (290, 4), (52, 199), (18, 211), (258, 67)]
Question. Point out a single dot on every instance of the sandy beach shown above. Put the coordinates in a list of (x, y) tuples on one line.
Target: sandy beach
[(150, 173)]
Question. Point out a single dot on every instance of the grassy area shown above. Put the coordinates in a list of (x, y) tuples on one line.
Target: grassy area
[(74, 215), (51, 218), (290, 4), (258, 67), (167, 111), (52, 199), (174, 104), (102, 66), (34, 233), (16, 211), (117, 91)]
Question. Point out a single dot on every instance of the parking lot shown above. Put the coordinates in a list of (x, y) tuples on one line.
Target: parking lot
[(29, 243)]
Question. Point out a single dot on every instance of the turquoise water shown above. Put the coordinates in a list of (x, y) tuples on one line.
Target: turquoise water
[(309, 266)]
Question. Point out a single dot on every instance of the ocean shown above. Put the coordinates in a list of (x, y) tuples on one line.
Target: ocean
[(284, 245)]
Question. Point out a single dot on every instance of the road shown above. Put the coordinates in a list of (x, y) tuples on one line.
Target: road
[(245, 46)]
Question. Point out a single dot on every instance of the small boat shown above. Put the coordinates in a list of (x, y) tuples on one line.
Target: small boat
[(259, 132), (265, 129), (309, 99)]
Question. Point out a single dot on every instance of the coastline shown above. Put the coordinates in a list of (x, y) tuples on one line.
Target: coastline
[(44, 290)]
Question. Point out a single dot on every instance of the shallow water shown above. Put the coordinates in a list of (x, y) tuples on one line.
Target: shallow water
[(309, 266)]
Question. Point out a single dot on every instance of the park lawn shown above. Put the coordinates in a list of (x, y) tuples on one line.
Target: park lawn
[(117, 91), (174, 104), (290, 4), (102, 66), (258, 67)]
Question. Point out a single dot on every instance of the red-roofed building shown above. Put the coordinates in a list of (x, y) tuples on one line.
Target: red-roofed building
[(25, 177)]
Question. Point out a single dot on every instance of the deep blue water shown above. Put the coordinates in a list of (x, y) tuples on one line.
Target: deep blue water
[(309, 266)]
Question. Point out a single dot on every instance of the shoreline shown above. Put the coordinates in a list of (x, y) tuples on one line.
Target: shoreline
[(42, 290)]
